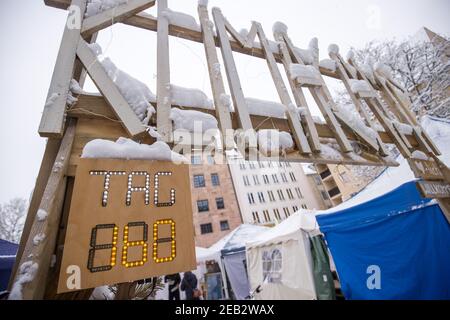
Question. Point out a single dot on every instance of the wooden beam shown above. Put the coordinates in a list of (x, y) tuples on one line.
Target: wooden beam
[(42, 237), (109, 90), (163, 87), (53, 116), (109, 17), (291, 110), (216, 78)]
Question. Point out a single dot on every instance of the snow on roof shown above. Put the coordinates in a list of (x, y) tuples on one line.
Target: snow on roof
[(308, 170), (393, 177), (286, 230)]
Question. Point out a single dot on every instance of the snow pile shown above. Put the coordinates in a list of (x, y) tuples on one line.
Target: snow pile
[(271, 141), (328, 64), (350, 55), (383, 70), (359, 85), (97, 6), (403, 127), (417, 154), (279, 28), (313, 47), (187, 97), (333, 48), (191, 120), (136, 93), (181, 19), (329, 152), (38, 238), (306, 55), (41, 215), (26, 273), (125, 148), (265, 108), (351, 115), (299, 70), (367, 69)]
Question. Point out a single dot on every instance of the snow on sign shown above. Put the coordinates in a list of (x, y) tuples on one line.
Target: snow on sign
[(128, 220)]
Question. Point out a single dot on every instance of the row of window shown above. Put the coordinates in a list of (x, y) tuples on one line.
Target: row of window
[(198, 160), (203, 205), (199, 180), (252, 165), (280, 193), (276, 214), (266, 178), (208, 227)]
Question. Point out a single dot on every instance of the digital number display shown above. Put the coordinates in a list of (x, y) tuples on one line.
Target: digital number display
[(129, 220)]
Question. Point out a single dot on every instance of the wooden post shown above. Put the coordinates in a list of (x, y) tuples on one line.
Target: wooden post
[(216, 78), (163, 90), (54, 114), (40, 244)]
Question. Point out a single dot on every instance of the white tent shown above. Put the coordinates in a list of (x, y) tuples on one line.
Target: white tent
[(279, 260)]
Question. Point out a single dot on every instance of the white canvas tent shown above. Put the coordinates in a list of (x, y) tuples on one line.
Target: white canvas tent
[(229, 253), (279, 260)]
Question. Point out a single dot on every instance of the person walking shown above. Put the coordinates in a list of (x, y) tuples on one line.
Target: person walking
[(174, 281), (189, 285)]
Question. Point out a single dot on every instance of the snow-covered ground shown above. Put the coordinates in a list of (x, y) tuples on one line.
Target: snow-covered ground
[(393, 177)]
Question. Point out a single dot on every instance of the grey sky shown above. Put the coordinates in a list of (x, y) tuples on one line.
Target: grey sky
[(31, 32)]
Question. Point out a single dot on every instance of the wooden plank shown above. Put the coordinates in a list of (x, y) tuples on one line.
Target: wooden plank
[(216, 79), (54, 114), (163, 96), (232, 75), (109, 17), (434, 189), (426, 169), (109, 90), (299, 97), (39, 253), (291, 109)]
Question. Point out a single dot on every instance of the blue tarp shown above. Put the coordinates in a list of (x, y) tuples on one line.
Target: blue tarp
[(400, 233), (8, 252)]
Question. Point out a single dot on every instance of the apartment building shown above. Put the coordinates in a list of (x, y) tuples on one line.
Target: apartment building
[(269, 192), (214, 204), (319, 191)]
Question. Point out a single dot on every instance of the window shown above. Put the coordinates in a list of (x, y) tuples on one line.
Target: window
[(202, 205), (242, 165), (256, 179), (266, 215), (199, 181), (270, 165), (286, 212), (275, 178), (261, 165), (271, 196), (288, 164), (292, 176), (280, 194), (261, 197), (266, 179), (304, 206), (289, 193), (299, 193), (196, 160), (251, 199), (276, 212), (324, 195), (272, 265), (206, 228), (256, 217), (283, 177), (215, 179), (246, 181), (295, 208), (210, 159), (252, 165), (220, 204), (224, 225)]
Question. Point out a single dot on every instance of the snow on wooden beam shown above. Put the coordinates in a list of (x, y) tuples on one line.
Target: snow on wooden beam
[(121, 108), (107, 18), (53, 116)]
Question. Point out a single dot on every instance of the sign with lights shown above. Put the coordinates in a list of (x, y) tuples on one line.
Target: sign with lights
[(128, 220)]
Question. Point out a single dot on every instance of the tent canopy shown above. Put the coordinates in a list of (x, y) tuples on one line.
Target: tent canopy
[(8, 252), (392, 247)]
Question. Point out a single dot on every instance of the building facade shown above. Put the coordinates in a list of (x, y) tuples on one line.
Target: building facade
[(319, 191), (269, 192), (214, 204)]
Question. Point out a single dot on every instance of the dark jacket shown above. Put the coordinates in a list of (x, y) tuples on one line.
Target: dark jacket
[(188, 284), (175, 278)]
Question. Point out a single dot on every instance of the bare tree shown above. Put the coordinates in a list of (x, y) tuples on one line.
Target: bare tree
[(12, 218)]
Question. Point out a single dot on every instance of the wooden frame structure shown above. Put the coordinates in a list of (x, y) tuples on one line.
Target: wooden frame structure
[(109, 116)]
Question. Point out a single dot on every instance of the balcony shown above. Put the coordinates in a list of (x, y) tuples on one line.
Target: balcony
[(325, 174), (334, 192)]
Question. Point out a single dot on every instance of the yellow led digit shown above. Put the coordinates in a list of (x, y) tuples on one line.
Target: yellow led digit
[(127, 244), (157, 240)]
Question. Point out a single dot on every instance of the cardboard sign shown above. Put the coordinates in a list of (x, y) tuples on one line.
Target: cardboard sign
[(434, 189), (128, 220)]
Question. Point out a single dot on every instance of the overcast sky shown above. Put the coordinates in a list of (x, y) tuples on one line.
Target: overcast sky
[(30, 34)]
